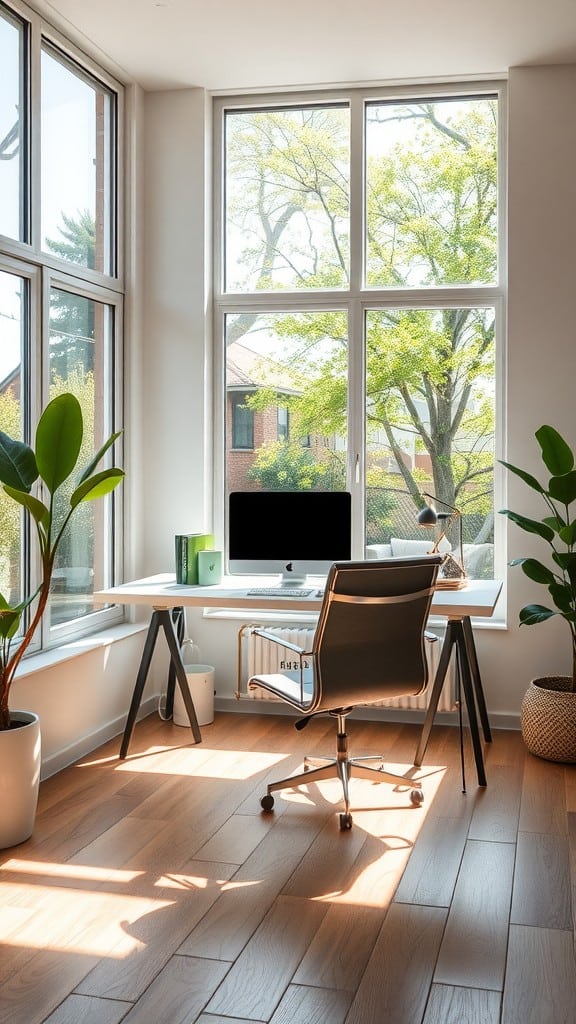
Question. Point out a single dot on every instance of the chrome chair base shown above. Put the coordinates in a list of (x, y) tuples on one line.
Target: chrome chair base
[(342, 767)]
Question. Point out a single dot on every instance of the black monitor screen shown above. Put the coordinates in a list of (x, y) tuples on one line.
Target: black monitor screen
[(290, 532)]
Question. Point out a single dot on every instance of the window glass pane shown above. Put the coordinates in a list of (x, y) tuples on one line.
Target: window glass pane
[(76, 155), (242, 421), (287, 198), (12, 318), (80, 339), (12, 121), (430, 427), (431, 193), (298, 363)]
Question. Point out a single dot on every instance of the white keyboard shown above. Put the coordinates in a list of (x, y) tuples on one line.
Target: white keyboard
[(280, 592)]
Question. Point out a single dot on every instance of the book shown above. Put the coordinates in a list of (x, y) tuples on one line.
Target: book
[(187, 546)]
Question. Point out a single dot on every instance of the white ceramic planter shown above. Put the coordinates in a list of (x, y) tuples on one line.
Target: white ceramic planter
[(20, 750)]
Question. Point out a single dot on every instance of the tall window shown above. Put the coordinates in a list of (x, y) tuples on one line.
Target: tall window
[(59, 332), (359, 286)]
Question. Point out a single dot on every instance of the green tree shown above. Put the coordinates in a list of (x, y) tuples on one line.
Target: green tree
[(72, 316)]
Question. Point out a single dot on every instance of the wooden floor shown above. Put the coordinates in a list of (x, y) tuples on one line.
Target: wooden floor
[(155, 891)]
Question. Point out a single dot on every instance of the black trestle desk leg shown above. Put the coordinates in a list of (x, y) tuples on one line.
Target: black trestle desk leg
[(147, 653), (476, 680), (179, 624), (160, 617), (180, 671), (469, 696), (439, 678), (456, 636)]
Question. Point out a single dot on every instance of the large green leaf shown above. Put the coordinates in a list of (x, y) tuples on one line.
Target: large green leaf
[(526, 477), (530, 525), (97, 486), (568, 534), (17, 463), (563, 596), (555, 523), (58, 440), (557, 454), (9, 618), (563, 488), (534, 570), (92, 465), (533, 613), (36, 508)]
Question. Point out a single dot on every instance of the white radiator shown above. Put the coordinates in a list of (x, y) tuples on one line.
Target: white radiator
[(259, 656)]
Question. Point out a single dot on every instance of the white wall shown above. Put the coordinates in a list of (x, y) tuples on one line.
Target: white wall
[(168, 373)]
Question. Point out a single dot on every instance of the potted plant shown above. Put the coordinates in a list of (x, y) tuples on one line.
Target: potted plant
[(548, 716), (53, 461)]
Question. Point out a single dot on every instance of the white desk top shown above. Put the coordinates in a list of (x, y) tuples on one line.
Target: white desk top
[(477, 598)]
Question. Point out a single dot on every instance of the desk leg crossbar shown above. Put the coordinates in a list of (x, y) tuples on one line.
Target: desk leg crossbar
[(459, 636), (160, 619)]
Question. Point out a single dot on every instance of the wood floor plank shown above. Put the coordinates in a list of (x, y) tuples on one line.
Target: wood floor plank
[(449, 1004), (179, 992), (312, 1006), (473, 950), (89, 1011), (327, 866), (497, 806), (174, 904), (332, 960), (31, 994), (543, 805), (215, 1018), (397, 979), (540, 977), (226, 928), (449, 801), (542, 892), (257, 980), (430, 875), (236, 839)]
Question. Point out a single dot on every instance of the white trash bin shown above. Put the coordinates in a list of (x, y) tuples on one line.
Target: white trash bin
[(201, 685)]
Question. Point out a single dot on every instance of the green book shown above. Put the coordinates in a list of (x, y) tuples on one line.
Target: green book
[(187, 546)]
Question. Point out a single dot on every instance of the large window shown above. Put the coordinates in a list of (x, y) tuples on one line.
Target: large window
[(359, 290), (61, 293)]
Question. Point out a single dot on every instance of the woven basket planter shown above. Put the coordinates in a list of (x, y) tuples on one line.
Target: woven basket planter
[(548, 719)]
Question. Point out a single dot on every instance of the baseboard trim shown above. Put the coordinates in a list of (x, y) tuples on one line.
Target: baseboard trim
[(248, 705), (86, 744)]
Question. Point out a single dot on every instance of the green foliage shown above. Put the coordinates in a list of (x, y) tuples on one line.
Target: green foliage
[(557, 528), (54, 461), (287, 466)]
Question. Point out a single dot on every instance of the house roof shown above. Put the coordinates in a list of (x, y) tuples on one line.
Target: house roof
[(249, 369)]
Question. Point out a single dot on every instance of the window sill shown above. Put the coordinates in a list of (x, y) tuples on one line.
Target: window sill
[(65, 652)]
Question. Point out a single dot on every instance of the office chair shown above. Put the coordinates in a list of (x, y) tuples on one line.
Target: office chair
[(368, 646)]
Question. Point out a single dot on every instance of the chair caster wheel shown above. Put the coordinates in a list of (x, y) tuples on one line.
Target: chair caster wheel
[(417, 797), (345, 822), (267, 802)]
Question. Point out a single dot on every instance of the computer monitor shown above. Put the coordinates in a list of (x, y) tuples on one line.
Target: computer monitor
[(293, 533)]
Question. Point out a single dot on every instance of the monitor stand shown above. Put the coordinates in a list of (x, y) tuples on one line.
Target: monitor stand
[(291, 579)]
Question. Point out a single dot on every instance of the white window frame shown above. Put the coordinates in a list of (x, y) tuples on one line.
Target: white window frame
[(356, 299), (46, 270)]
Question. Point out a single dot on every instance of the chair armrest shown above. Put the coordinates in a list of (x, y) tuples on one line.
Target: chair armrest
[(280, 641)]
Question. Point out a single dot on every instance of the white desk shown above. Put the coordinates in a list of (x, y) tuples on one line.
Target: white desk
[(477, 599), (161, 593)]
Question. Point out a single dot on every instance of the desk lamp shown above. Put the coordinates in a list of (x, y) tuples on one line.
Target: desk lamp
[(451, 568)]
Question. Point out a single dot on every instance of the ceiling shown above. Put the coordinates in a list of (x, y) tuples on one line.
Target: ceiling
[(227, 45)]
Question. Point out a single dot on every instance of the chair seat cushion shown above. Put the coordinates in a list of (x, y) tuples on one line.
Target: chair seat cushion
[(287, 685)]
